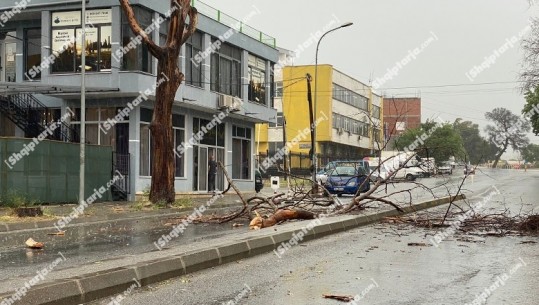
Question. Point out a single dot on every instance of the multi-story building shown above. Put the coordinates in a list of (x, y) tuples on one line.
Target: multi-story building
[(224, 61), (400, 114), (348, 111)]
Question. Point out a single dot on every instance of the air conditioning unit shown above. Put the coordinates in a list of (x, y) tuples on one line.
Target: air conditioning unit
[(229, 102), (340, 130)]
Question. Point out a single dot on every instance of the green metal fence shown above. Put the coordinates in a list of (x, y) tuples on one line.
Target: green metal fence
[(50, 173)]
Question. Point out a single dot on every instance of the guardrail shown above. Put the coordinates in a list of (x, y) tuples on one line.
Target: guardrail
[(234, 23)]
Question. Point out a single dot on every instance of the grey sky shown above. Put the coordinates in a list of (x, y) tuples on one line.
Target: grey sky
[(385, 30)]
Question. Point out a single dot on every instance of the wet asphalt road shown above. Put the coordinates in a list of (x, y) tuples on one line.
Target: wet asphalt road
[(120, 241), (377, 265), (95, 247)]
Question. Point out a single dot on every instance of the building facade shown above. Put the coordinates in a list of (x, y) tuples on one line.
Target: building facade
[(228, 74), (400, 114), (348, 115)]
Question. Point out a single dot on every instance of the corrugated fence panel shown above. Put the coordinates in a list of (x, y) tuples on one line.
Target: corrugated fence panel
[(50, 173)]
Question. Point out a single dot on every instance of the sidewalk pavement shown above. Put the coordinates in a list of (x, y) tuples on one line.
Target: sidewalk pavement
[(117, 210), (113, 277), (104, 217)]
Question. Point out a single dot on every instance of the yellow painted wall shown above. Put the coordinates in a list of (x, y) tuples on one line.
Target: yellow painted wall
[(261, 138), (296, 105)]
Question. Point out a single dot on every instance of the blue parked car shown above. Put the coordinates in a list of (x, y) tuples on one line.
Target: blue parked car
[(347, 180)]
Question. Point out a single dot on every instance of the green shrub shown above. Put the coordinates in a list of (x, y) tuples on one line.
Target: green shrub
[(16, 199)]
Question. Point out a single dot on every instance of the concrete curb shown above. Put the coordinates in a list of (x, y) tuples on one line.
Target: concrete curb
[(93, 286)]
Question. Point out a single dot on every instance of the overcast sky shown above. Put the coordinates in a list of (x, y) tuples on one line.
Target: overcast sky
[(459, 35)]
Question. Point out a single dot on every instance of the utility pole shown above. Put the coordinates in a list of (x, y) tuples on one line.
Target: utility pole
[(286, 158), (312, 152), (82, 105)]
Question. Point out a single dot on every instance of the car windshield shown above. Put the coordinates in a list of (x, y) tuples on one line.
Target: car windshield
[(362, 166), (344, 171)]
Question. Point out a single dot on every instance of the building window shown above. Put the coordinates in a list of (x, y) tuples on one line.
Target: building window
[(376, 134), (146, 148), (257, 80), (272, 84), (241, 152), (98, 132), (163, 30), (193, 69), (350, 97), (213, 133), (226, 70), (67, 41), (146, 143), (179, 159), (350, 125), (32, 51), (278, 90), (376, 112), (139, 58), (278, 121)]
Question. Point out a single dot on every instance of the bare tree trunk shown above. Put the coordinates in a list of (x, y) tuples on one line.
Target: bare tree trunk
[(499, 155), (183, 22), (162, 188)]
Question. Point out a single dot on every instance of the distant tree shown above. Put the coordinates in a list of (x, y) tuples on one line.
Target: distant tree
[(531, 109), (433, 140), (530, 71), (509, 130), (530, 153), (477, 148)]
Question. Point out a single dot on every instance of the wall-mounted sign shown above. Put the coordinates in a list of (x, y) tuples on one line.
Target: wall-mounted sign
[(62, 39), (304, 146), (66, 18), (99, 16), (74, 17)]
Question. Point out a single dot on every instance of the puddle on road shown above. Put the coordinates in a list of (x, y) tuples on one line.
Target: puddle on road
[(114, 239)]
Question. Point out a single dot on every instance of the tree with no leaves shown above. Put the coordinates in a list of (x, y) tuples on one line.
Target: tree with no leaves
[(530, 72), (183, 22), (509, 130)]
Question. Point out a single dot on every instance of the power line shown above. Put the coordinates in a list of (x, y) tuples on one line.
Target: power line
[(455, 85)]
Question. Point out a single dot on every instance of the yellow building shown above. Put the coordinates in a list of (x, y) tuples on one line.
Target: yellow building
[(348, 114)]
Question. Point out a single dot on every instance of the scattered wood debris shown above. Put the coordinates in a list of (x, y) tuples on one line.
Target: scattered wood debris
[(59, 233), (496, 224), (342, 298), (419, 245), (32, 244)]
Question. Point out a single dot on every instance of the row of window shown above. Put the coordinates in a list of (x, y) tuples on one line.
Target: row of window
[(351, 125), (350, 97), (340, 121), (213, 137), (225, 76)]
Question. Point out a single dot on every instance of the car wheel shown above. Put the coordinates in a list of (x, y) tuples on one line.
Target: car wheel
[(339, 195), (410, 177)]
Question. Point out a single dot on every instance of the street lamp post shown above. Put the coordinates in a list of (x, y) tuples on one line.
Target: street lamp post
[(315, 161), (82, 106)]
